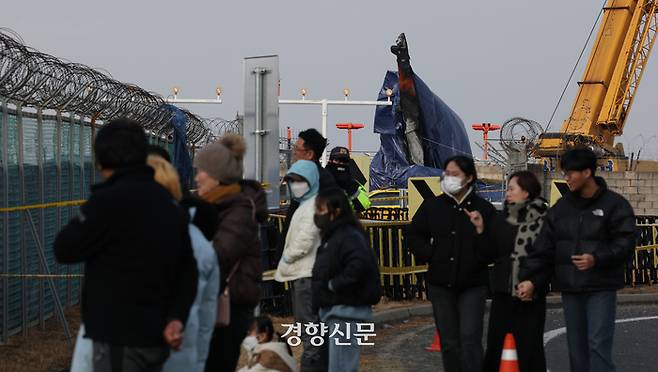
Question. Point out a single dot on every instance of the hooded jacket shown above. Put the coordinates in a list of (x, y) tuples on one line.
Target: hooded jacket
[(303, 237), (326, 181), (603, 226)]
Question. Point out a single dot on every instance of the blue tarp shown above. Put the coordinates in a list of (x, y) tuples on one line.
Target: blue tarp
[(181, 159), (443, 134)]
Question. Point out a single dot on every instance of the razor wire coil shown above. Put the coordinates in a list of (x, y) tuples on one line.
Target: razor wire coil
[(32, 78)]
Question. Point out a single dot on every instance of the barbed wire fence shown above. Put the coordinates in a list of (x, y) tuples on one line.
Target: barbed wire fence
[(36, 79), (49, 110)]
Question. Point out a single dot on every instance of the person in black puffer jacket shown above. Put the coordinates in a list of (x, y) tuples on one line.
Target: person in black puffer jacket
[(513, 233), (587, 238), (442, 234), (345, 277)]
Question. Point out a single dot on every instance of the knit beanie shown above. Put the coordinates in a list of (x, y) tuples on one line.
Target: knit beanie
[(222, 160)]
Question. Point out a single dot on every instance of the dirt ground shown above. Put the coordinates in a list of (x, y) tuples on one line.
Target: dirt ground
[(41, 350), (46, 350)]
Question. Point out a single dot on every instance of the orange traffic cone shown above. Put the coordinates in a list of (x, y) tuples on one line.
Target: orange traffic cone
[(508, 360), (436, 344)]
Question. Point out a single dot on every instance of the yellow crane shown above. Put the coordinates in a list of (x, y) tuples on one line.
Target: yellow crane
[(616, 63)]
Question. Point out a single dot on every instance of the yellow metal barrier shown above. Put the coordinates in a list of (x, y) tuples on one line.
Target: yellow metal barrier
[(644, 268), (71, 203)]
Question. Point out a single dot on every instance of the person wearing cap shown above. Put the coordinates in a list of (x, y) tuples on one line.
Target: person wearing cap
[(241, 207), (338, 166), (299, 252)]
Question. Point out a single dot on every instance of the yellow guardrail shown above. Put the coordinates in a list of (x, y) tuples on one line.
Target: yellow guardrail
[(395, 260), (70, 203)]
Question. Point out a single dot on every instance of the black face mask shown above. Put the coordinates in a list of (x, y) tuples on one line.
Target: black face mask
[(322, 221), (340, 172)]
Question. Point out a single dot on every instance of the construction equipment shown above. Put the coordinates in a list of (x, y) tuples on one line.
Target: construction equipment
[(612, 75)]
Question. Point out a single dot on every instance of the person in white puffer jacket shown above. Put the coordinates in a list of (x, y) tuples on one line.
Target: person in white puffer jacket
[(301, 246)]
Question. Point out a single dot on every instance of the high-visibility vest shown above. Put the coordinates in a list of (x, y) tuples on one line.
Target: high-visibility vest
[(360, 196)]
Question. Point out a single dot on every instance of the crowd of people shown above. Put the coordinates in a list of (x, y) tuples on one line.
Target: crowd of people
[(172, 278), (580, 246)]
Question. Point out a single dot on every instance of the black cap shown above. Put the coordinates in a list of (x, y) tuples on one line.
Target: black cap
[(340, 153)]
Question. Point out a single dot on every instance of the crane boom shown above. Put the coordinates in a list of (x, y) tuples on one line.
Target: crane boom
[(612, 75)]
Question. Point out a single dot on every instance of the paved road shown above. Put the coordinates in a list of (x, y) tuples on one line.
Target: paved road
[(401, 347)]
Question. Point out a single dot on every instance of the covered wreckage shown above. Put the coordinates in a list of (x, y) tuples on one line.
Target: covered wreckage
[(441, 131)]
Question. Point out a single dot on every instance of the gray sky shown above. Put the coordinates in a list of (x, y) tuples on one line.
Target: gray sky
[(489, 60)]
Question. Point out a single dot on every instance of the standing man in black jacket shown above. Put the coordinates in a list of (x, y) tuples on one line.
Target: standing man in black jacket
[(140, 272), (586, 240)]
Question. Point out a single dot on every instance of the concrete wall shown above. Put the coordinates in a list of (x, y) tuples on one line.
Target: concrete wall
[(489, 173), (639, 188)]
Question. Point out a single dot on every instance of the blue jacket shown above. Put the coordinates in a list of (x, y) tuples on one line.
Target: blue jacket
[(201, 322)]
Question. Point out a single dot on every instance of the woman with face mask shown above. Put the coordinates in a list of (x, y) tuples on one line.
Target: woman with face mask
[(345, 278), (516, 308), (442, 234), (300, 249)]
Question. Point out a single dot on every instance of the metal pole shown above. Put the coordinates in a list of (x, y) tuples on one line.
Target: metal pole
[(91, 150), (259, 132), (325, 103), (82, 157), (325, 114), (71, 121), (349, 139), (486, 144), (46, 270), (58, 181), (5, 222), (23, 250), (40, 156)]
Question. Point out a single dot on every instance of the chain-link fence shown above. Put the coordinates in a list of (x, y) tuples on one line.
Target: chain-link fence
[(49, 110)]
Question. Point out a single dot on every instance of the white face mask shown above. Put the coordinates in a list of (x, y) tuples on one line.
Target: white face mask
[(299, 189), (451, 184), (249, 343)]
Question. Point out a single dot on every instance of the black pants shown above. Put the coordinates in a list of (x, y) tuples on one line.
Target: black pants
[(525, 320), (459, 317), (225, 344)]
